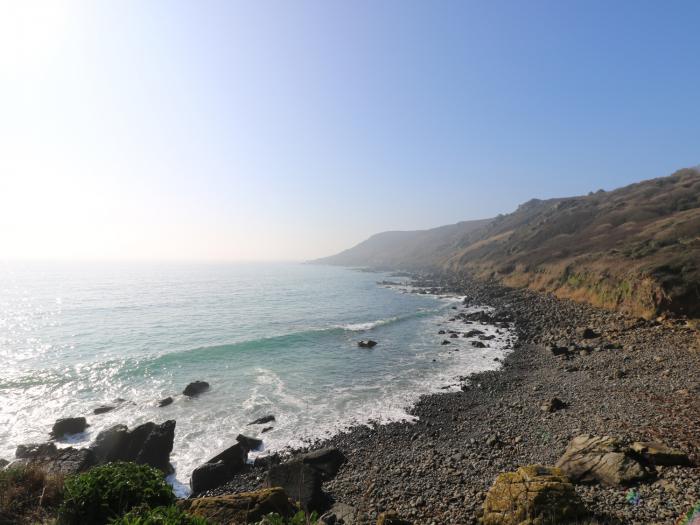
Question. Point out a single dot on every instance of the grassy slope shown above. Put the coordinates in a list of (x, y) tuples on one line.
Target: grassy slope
[(636, 248)]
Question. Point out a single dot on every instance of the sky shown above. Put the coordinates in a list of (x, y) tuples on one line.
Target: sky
[(263, 130)]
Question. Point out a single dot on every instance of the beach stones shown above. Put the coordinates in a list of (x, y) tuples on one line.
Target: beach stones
[(195, 388), (68, 425), (530, 495), (245, 507), (601, 459), (367, 344)]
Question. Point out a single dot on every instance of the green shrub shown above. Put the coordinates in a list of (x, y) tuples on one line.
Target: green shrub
[(108, 492), (159, 516), (29, 495), (300, 518)]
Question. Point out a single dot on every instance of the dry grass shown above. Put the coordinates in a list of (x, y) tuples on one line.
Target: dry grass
[(29, 495)]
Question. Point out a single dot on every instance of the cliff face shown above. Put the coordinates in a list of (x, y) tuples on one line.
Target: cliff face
[(635, 249)]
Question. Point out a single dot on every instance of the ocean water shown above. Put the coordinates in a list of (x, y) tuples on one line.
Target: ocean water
[(270, 338)]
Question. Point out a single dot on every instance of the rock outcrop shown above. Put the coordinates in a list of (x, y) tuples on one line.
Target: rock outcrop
[(219, 469), (301, 481), (65, 461), (239, 509), (601, 459), (148, 444), (533, 495)]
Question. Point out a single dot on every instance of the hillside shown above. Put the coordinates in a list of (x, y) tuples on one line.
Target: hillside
[(407, 250), (636, 248)]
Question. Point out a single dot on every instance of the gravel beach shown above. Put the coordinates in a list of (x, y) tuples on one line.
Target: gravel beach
[(634, 379)]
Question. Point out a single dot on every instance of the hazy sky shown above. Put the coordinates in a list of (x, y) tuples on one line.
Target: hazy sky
[(263, 130)]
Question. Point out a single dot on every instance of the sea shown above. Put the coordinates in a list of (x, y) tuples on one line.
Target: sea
[(270, 338)]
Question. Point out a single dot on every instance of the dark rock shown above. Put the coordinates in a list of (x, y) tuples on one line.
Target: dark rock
[(148, 444), (196, 388), (588, 333), (326, 460), (441, 332), (367, 344), (552, 405), (660, 454), (68, 425), (234, 457), (391, 518), (262, 420), (112, 444), (209, 476), (265, 462), (165, 402), (477, 344), (36, 450), (473, 333), (3, 463), (103, 409), (445, 342), (249, 443), (64, 461), (266, 429), (301, 481), (454, 336)]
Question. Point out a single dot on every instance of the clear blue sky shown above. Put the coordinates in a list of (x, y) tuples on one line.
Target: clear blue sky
[(280, 129)]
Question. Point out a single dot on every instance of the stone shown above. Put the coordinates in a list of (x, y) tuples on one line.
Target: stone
[(552, 405), (249, 443), (266, 429), (445, 342), (367, 344), (339, 513), (235, 457), (265, 462), (478, 344), (195, 388), (326, 460), (391, 518), (148, 444), (301, 481), (64, 461), (660, 454), (68, 425), (591, 459), (532, 495), (165, 402), (239, 509), (3, 463), (588, 333), (209, 476), (262, 420), (36, 450), (103, 409)]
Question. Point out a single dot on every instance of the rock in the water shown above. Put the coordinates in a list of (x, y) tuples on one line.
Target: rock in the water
[(209, 476), (603, 459), (445, 342), (367, 344), (165, 402), (148, 444), (301, 481), (660, 454), (326, 460), (262, 420), (196, 388), (266, 429), (65, 461), (391, 518), (552, 405), (103, 409), (478, 344), (243, 508), (532, 495), (249, 443), (234, 457), (68, 425)]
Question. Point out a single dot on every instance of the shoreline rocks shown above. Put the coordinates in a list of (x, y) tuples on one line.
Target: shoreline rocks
[(68, 426)]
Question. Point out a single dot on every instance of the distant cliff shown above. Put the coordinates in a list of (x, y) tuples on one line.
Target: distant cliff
[(636, 248)]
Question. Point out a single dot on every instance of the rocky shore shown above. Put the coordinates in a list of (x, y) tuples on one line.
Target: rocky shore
[(575, 370)]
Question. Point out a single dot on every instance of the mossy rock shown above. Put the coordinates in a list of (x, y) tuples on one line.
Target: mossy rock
[(242, 508), (532, 495)]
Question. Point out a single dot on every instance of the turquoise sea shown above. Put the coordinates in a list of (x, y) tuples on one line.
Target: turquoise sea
[(270, 338)]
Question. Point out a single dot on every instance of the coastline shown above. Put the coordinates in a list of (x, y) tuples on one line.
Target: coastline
[(635, 382)]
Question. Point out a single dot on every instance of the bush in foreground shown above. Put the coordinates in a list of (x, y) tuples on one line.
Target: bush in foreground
[(159, 516), (28, 495), (108, 492)]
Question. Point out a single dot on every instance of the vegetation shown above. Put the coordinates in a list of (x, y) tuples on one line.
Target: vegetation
[(28, 495), (107, 492), (300, 518), (159, 516)]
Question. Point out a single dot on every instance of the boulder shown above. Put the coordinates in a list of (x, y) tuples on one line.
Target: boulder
[(209, 476), (326, 460), (601, 459), (165, 402), (367, 344), (391, 518), (47, 456), (301, 481), (338, 514), (103, 409), (262, 420), (445, 342), (473, 333), (249, 443), (3, 463), (266, 429), (148, 444), (196, 388), (234, 457), (265, 462), (660, 454), (532, 495), (552, 405), (68, 425), (477, 344), (239, 509), (454, 336)]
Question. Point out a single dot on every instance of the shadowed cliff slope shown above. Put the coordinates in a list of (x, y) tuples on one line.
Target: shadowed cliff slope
[(636, 248)]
